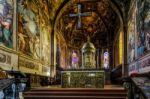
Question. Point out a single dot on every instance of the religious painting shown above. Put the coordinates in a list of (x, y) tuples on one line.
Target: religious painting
[(45, 30), (61, 52), (131, 36), (6, 21), (143, 27), (45, 54), (28, 28), (106, 60), (62, 56)]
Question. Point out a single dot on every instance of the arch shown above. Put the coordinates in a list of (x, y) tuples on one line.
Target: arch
[(63, 7), (66, 2)]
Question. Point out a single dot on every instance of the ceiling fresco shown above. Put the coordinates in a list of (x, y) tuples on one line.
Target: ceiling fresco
[(99, 25)]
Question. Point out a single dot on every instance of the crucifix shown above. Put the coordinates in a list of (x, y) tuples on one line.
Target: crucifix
[(79, 15)]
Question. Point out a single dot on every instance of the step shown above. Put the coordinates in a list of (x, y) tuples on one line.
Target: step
[(77, 90), (74, 93), (72, 97)]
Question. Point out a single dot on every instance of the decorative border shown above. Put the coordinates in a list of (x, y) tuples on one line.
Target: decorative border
[(140, 66), (29, 66), (144, 64), (8, 61)]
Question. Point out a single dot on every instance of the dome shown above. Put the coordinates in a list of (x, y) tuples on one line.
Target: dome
[(88, 45)]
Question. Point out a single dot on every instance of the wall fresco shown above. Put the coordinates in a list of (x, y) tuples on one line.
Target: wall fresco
[(28, 28), (141, 62), (131, 36), (6, 20), (143, 27)]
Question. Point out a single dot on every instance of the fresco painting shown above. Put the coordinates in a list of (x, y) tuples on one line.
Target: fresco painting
[(28, 29), (141, 38), (131, 36), (45, 44), (45, 30), (6, 21), (143, 27)]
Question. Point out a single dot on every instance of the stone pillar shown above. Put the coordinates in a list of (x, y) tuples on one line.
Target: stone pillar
[(124, 27), (52, 66)]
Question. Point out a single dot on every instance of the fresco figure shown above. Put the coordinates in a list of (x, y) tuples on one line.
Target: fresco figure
[(37, 47), (131, 36), (28, 29), (143, 29), (6, 22), (147, 40), (75, 60), (21, 35), (6, 32), (131, 47), (147, 27), (106, 60)]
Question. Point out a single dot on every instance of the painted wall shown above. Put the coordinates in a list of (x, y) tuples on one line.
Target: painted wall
[(139, 37), (6, 21), (28, 35)]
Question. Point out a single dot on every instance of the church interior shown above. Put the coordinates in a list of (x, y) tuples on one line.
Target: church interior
[(70, 49)]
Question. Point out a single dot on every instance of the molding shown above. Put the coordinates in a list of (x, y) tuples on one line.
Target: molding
[(8, 60), (10, 50)]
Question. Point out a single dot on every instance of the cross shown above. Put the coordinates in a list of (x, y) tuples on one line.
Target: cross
[(79, 15)]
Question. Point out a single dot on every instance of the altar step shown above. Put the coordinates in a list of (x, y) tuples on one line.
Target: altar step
[(70, 93)]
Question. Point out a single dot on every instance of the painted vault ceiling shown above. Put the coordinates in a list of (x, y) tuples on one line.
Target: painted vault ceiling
[(100, 25)]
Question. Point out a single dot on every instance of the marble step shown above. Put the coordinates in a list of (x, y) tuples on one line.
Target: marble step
[(70, 93), (72, 97)]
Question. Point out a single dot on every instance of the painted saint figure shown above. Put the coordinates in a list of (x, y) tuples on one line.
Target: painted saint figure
[(106, 60), (6, 32), (6, 22), (28, 29), (75, 60), (147, 40)]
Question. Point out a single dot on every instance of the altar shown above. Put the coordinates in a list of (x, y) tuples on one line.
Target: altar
[(83, 79), (87, 76)]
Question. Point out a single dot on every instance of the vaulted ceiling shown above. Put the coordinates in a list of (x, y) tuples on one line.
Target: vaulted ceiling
[(101, 25)]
